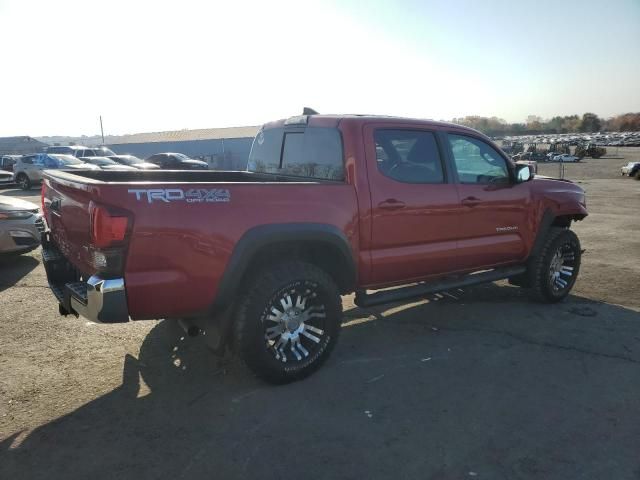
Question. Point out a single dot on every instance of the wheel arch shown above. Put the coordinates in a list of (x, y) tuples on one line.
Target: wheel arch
[(321, 244), (549, 220)]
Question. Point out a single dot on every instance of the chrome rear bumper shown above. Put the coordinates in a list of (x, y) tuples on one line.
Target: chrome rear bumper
[(97, 299)]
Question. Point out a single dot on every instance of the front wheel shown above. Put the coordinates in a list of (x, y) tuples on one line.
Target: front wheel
[(554, 271), (23, 182), (288, 322)]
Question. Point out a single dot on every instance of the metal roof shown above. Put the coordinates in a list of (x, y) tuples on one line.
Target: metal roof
[(20, 145), (185, 135), (17, 140)]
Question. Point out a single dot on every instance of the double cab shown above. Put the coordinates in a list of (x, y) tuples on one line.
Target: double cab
[(388, 208)]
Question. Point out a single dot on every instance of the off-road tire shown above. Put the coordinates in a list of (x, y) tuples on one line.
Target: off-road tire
[(23, 181), (254, 315), (562, 242)]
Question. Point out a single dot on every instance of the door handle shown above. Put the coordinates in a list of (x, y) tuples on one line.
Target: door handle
[(391, 204), (471, 201)]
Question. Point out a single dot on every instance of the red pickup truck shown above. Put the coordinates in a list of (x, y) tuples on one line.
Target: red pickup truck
[(328, 205)]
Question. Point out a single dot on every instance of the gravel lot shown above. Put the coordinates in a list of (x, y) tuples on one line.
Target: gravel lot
[(476, 384)]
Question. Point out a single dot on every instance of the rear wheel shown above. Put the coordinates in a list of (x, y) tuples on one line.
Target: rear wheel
[(288, 322), (553, 273), (23, 181)]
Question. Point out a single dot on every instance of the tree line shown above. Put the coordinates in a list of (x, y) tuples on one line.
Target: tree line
[(589, 122)]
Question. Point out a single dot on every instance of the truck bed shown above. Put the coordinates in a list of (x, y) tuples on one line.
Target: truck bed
[(184, 225)]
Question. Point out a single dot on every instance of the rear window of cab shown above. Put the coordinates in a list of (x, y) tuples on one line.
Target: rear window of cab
[(312, 152)]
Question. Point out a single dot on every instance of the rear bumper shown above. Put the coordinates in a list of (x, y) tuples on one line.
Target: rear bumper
[(96, 299)]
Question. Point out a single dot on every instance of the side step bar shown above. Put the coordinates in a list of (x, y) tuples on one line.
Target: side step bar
[(403, 293)]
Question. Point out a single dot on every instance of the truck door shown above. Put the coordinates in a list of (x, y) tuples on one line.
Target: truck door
[(414, 204), (493, 208)]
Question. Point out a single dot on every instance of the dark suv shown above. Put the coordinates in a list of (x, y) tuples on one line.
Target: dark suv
[(177, 161)]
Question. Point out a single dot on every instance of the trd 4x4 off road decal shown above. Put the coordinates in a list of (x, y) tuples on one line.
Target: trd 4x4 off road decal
[(193, 195)]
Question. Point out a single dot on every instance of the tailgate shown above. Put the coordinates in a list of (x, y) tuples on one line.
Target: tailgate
[(66, 209)]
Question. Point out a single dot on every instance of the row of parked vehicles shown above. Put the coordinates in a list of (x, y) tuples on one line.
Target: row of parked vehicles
[(604, 139), (26, 170)]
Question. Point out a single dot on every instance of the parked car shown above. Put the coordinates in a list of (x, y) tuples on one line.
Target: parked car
[(565, 157), (632, 169), (103, 151), (6, 178), (28, 169), (176, 161), (81, 151), (133, 161), (8, 161), (328, 205), (20, 225), (73, 150), (105, 163)]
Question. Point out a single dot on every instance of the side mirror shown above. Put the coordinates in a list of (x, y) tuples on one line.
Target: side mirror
[(524, 173)]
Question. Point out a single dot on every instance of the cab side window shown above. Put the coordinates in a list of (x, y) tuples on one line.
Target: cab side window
[(477, 162), (409, 156)]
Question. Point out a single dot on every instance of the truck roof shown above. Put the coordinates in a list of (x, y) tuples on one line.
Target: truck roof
[(330, 120)]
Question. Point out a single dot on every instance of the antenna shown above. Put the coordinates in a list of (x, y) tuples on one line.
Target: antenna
[(309, 111), (101, 130)]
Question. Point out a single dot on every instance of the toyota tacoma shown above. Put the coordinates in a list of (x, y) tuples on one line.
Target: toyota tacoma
[(388, 208)]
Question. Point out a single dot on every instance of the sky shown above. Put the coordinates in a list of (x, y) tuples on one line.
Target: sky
[(170, 65)]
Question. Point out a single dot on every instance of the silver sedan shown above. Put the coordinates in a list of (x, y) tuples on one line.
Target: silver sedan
[(20, 225)]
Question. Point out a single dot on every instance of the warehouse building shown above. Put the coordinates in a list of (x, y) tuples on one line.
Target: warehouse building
[(221, 148), (20, 145)]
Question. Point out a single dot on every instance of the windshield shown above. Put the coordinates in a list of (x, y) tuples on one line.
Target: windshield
[(104, 151), (66, 159), (181, 156)]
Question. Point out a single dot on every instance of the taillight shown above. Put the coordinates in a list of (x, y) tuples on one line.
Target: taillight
[(109, 231), (107, 228)]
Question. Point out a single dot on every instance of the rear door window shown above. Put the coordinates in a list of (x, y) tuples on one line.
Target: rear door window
[(313, 152), (409, 156)]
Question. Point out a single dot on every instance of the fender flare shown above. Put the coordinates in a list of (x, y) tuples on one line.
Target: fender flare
[(257, 238), (543, 229)]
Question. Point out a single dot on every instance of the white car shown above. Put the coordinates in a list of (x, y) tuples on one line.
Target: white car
[(631, 169), (565, 157)]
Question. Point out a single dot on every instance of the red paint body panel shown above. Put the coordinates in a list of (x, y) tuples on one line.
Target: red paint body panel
[(178, 252)]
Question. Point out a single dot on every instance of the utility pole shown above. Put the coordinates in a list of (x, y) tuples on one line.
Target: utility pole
[(101, 130)]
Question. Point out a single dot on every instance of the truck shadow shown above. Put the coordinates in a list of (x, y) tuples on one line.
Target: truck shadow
[(15, 267), (478, 381)]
